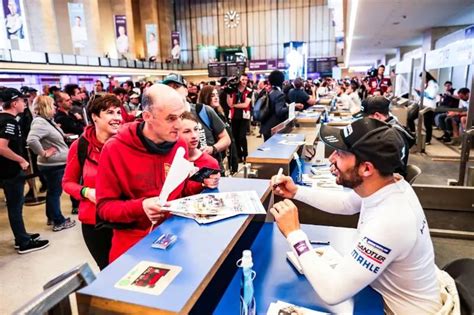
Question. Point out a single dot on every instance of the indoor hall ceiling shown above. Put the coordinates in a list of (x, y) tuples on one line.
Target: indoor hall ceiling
[(383, 25)]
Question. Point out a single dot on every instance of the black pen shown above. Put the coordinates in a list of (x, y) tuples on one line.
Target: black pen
[(319, 243)]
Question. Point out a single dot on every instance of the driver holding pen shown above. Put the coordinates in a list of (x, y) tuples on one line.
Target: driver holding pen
[(393, 252)]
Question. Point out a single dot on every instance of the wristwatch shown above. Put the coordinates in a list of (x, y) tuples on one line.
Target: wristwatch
[(214, 150)]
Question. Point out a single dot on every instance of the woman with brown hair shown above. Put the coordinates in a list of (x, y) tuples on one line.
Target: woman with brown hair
[(209, 96), (81, 170)]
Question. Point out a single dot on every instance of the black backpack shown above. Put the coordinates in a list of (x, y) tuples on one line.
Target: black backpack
[(262, 108), (82, 156)]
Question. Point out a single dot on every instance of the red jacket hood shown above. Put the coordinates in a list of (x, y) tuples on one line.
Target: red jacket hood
[(129, 137), (90, 136)]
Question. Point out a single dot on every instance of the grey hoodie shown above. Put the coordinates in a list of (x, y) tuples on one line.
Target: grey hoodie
[(43, 136)]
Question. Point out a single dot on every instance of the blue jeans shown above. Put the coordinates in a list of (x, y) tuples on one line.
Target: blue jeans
[(14, 189), (54, 176)]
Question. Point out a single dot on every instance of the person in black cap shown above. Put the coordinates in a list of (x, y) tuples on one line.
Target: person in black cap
[(393, 251), (13, 165), (378, 107)]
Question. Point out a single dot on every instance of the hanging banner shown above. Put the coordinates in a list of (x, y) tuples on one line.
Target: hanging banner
[(151, 41), (176, 49), (14, 21), (15, 34), (78, 25), (121, 38)]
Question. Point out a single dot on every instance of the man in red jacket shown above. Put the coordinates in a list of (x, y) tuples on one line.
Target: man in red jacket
[(133, 167)]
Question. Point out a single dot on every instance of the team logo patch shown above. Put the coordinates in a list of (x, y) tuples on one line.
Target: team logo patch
[(370, 254), (347, 131), (301, 247)]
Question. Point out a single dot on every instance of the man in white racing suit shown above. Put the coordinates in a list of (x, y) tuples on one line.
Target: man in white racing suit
[(393, 252)]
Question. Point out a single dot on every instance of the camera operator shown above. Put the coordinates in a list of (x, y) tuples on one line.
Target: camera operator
[(377, 82), (239, 100)]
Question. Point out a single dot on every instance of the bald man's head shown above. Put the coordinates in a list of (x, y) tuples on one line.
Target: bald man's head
[(159, 96), (162, 111)]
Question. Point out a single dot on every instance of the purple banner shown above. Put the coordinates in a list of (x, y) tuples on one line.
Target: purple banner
[(272, 64), (175, 44), (281, 64), (261, 64), (121, 38), (13, 19)]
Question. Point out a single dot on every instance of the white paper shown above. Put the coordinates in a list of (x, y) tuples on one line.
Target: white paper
[(205, 218), (178, 172), (291, 142), (291, 111), (241, 202)]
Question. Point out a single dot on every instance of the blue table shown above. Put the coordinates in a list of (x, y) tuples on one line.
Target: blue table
[(277, 279), (200, 251), (272, 155)]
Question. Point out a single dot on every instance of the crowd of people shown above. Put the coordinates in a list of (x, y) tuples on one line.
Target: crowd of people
[(62, 132), (111, 151)]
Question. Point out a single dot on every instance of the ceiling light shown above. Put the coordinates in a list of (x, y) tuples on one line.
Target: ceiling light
[(350, 35)]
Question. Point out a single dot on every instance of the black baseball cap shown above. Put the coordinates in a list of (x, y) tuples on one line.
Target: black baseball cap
[(369, 140), (26, 90), (174, 78), (10, 94), (372, 105)]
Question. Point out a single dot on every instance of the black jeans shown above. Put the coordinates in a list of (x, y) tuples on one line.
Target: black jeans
[(14, 189), (98, 242), (428, 120), (239, 130)]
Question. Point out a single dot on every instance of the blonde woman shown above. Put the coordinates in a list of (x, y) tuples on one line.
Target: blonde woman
[(47, 141)]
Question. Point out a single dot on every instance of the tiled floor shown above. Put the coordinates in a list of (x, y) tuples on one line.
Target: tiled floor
[(22, 276)]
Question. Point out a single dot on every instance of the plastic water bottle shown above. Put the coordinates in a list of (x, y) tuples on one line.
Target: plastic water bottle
[(247, 299)]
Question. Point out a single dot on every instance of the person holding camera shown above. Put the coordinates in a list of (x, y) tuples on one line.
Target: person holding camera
[(47, 141), (239, 101), (377, 82)]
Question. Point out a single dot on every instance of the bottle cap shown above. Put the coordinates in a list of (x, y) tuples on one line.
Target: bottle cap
[(247, 258)]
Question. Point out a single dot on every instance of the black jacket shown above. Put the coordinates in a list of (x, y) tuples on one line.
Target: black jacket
[(279, 112)]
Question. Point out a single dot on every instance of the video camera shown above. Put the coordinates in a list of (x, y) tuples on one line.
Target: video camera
[(372, 72), (232, 85)]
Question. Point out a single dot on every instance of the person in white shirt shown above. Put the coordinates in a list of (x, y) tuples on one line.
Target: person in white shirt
[(122, 40), (78, 33), (393, 252), (176, 50), (14, 22), (354, 97)]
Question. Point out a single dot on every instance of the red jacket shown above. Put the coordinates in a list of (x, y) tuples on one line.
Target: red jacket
[(72, 174), (205, 160), (128, 174)]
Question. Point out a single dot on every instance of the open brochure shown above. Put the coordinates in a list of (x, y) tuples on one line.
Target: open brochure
[(206, 218), (282, 308), (206, 208)]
